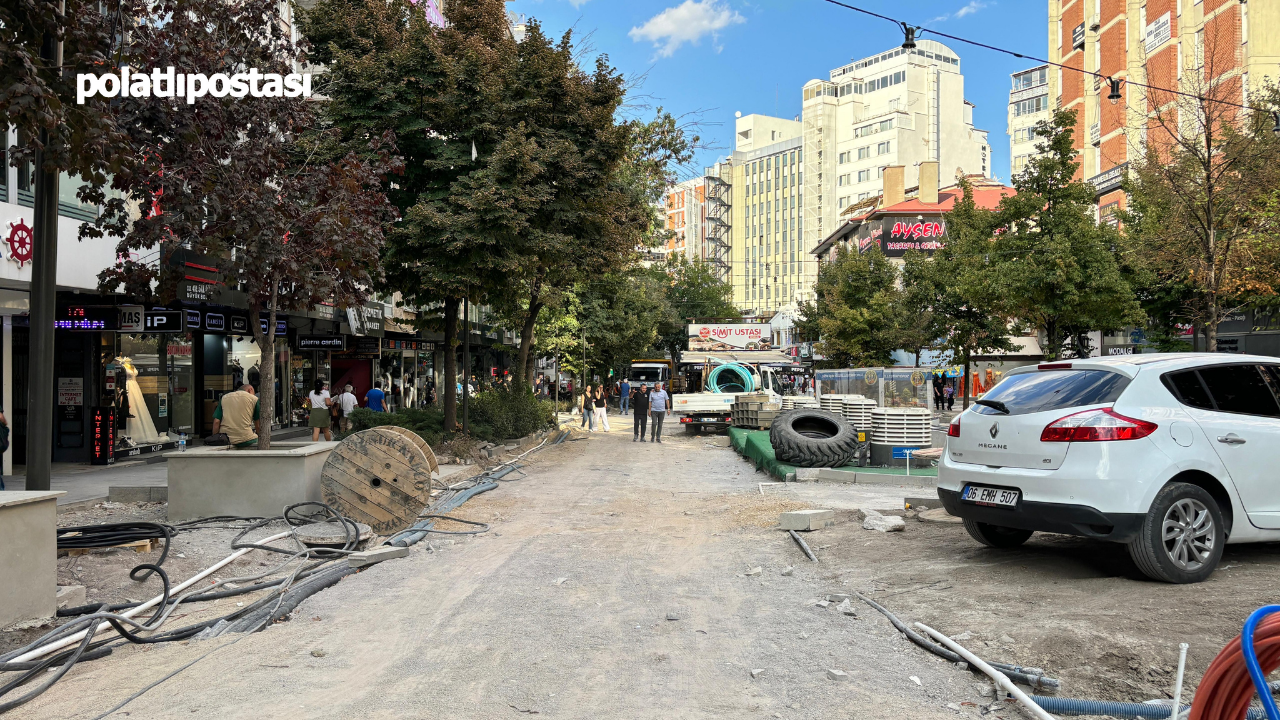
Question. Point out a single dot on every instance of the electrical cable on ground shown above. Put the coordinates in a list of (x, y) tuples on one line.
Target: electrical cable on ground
[(1239, 671), (803, 546)]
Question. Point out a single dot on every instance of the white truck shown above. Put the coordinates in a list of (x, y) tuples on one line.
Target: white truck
[(713, 410)]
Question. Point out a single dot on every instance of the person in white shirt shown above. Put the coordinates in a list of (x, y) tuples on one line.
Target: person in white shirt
[(320, 404), (347, 401)]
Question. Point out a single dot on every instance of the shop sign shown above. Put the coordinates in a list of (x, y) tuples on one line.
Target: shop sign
[(388, 344), (164, 321), (282, 326), (364, 320), (1158, 32), (88, 318), (71, 391), (896, 235), (102, 431), (193, 319), (162, 405), (239, 325), (725, 337), (215, 321), (322, 342), (1077, 37), (1108, 180), (131, 318)]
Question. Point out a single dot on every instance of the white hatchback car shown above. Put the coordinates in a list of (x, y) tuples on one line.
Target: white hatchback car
[(1173, 454)]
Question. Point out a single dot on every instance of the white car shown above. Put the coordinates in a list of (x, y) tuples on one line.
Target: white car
[(1173, 454)]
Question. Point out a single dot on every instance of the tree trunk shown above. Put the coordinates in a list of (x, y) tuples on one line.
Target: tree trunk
[(1211, 327), (525, 362), (968, 382), (266, 366), (450, 389)]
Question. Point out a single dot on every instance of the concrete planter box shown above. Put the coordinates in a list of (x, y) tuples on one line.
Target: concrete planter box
[(209, 481), (29, 560)]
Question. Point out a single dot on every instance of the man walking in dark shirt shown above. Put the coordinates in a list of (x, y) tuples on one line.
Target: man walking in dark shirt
[(640, 409)]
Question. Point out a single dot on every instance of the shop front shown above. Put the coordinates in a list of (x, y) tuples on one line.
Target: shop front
[(407, 368)]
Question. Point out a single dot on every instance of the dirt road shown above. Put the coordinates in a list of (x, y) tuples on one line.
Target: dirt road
[(562, 608)]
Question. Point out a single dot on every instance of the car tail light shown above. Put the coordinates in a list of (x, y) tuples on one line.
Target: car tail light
[(953, 430), (1100, 425), (685, 419), (1054, 366)]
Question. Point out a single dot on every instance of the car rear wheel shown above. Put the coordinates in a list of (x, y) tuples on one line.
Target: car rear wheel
[(996, 536), (1181, 538)]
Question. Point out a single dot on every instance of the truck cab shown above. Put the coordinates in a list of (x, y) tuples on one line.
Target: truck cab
[(707, 410)]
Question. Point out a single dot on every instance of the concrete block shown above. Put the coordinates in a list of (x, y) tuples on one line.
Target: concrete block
[(833, 475), (69, 596), (923, 502), (376, 555), (806, 474), (29, 563), (807, 519), (209, 481), (919, 481), (137, 493), (837, 675), (884, 523)]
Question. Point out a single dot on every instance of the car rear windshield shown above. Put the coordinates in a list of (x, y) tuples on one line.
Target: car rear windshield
[(1054, 390)]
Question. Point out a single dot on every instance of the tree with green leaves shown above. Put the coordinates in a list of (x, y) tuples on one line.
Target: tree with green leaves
[(693, 290), (854, 309), (441, 92), (235, 181), (957, 322), (1202, 194), (1051, 265)]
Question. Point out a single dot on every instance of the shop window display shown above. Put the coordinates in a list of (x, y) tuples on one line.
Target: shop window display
[(138, 370)]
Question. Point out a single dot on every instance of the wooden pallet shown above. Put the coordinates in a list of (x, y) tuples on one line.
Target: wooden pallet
[(139, 546)]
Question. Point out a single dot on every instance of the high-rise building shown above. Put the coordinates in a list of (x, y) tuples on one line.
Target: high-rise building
[(792, 179), (1028, 104), (685, 206), (1188, 45)]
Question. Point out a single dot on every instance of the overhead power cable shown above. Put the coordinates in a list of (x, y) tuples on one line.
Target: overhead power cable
[(915, 31)]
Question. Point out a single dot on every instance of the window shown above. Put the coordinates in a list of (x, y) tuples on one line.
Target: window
[(1033, 78), (863, 196), (1186, 386), (844, 201), (882, 148), (880, 171), (1030, 105), (864, 152), (843, 180), (1022, 135), (864, 175), (4, 172), (844, 157), (1020, 162), (1054, 390), (1237, 389)]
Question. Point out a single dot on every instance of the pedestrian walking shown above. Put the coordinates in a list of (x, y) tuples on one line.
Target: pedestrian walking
[(949, 392), (659, 401), (4, 442), (624, 396), (938, 397), (347, 402), (601, 415), (640, 409), (585, 405), (320, 404), (375, 399)]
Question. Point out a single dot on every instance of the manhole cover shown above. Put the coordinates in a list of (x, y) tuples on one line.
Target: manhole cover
[(330, 533)]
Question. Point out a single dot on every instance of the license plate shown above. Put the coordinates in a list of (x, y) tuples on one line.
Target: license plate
[(990, 496)]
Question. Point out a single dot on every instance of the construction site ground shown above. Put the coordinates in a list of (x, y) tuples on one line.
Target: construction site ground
[(617, 581)]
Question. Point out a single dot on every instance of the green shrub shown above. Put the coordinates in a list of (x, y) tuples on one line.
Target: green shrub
[(495, 415)]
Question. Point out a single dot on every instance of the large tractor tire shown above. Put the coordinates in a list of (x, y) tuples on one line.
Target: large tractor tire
[(813, 438)]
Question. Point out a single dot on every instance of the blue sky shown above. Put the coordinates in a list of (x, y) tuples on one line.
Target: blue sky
[(710, 58)]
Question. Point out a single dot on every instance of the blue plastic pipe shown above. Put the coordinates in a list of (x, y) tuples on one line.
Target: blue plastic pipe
[(1074, 707), (1251, 660)]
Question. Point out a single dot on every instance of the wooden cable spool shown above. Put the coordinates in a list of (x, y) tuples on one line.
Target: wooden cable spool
[(379, 477), (419, 443)]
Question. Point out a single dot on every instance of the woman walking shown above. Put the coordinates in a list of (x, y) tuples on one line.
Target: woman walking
[(320, 403), (602, 410), (585, 406)]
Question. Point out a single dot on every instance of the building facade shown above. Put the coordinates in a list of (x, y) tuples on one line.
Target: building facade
[(1230, 45), (685, 207), (1029, 103), (796, 177)]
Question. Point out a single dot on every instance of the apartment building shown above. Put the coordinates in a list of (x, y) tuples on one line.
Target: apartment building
[(1191, 45), (766, 258), (793, 179), (1029, 103), (685, 206)]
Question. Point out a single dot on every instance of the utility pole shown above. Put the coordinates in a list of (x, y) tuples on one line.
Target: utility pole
[(584, 358), (466, 362), (44, 277)]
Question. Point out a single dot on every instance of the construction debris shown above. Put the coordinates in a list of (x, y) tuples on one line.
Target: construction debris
[(884, 523), (377, 555), (806, 520)]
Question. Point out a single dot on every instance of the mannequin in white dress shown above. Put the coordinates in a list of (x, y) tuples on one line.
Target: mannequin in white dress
[(140, 428)]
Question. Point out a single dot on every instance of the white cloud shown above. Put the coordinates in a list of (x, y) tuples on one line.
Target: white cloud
[(973, 7), (578, 3), (688, 22)]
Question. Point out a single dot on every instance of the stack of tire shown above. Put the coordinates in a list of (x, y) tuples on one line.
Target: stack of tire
[(813, 439)]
